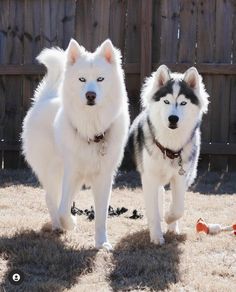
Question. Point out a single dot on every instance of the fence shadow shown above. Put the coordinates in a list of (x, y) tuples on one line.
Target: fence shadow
[(207, 182), (139, 264), (48, 265), (18, 177), (216, 183)]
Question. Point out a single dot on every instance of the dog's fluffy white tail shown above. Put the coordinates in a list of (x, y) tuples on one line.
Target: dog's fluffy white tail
[(54, 60)]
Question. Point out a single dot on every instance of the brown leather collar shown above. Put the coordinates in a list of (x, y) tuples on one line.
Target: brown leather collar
[(97, 138), (167, 152)]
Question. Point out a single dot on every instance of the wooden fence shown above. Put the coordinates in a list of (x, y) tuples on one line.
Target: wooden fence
[(179, 33)]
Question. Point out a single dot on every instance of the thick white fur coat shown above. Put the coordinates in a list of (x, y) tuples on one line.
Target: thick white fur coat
[(59, 129)]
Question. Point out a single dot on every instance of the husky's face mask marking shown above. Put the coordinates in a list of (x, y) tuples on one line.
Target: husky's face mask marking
[(91, 73), (175, 98)]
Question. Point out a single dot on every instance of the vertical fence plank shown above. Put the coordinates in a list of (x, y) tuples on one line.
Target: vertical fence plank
[(32, 46), (12, 127), (69, 22), (133, 31), (100, 30), (32, 37), (156, 35), (46, 24), (117, 23), (83, 23), (169, 30), (4, 19), (92, 22), (57, 13), (220, 106), (188, 31), (132, 53), (146, 39), (232, 112), (205, 53), (232, 128)]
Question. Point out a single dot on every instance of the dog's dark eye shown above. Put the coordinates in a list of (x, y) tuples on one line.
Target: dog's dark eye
[(82, 79), (183, 103), (100, 79), (166, 101)]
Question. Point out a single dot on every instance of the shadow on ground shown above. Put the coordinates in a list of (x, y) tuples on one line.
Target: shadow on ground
[(140, 264), (18, 177), (214, 183), (206, 182), (48, 265)]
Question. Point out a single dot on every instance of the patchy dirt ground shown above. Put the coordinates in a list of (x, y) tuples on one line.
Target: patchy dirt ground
[(68, 262)]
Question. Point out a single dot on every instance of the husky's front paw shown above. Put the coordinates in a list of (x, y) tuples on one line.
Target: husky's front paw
[(173, 227), (52, 226), (105, 245), (158, 240), (67, 222)]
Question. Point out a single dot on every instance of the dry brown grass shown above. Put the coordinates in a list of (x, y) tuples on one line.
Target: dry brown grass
[(68, 262)]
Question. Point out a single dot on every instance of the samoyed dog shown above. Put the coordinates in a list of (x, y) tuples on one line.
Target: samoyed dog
[(76, 130), (164, 141)]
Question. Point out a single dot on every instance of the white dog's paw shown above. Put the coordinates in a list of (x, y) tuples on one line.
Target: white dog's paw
[(67, 222), (105, 245), (158, 240), (173, 228), (56, 227), (170, 217)]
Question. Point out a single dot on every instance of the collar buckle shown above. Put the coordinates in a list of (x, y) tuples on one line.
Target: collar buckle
[(167, 152), (97, 138)]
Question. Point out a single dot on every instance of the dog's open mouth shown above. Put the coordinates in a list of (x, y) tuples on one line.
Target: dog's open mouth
[(173, 126)]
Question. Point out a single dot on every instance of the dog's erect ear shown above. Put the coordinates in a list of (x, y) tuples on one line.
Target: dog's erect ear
[(192, 78), (162, 75), (73, 51), (108, 51)]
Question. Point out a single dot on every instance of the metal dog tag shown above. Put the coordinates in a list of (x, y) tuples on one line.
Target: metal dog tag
[(182, 171), (103, 148)]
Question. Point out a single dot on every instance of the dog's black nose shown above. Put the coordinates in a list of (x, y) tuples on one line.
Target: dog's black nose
[(90, 95), (173, 119)]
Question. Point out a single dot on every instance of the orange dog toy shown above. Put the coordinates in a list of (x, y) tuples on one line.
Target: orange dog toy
[(202, 226)]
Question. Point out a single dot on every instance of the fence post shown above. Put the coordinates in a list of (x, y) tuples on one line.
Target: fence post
[(146, 39)]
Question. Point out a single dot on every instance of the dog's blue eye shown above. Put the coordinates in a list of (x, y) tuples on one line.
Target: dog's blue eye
[(166, 101), (183, 103), (82, 79), (100, 79)]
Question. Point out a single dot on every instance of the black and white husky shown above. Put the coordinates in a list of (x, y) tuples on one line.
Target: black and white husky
[(165, 142)]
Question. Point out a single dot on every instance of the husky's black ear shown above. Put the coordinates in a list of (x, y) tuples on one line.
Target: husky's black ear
[(73, 51), (192, 78), (108, 51), (162, 75)]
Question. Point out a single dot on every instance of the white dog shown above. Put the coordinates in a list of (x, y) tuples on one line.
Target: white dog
[(76, 130), (165, 141)]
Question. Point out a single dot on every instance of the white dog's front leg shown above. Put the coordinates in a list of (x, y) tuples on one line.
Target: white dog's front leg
[(69, 186), (101, 187), (151, 192), (176, 211)]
